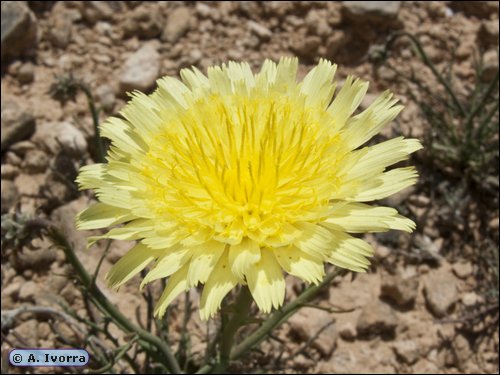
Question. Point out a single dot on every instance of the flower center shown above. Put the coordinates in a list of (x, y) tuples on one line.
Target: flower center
[(245, 166)]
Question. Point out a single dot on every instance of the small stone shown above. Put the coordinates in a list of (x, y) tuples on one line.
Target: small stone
[(462, 269), (262, 32), (377, 318), (58, 136), (308, 322), (12, 289), (94, 11), (317, 24), (9, 172), (106, 96), (381, 252), (22, 147), (28, 291), (195, 56), (307, 47), (141, 70), (379, 11), (35, 161), (490, 65), (488, 33), (19, 29), (17, 124), (9, 195), (471, 299), (27, 330), (440, 292), (205, 11), (347, 331), (400, 290), (335, 42), (177, 25), (26, 73), (385, 74), (407, 350)]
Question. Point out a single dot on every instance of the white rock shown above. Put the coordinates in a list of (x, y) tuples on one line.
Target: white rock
[(177, 25), (261, 31), (141, 69), (440, 292), (56, 136)]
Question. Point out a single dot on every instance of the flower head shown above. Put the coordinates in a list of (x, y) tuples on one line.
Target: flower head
[(234, 177)]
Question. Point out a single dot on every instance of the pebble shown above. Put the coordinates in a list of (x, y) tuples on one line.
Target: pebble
[(9, 195), (440, 292), (141, 70), (307, 322), (26, 73), (19, 29), (402, 291), (462, 269), (177, 25), (377, 318), (17, 124), (262, 32), (60, 135)]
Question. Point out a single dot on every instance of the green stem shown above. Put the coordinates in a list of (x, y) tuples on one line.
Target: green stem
[(105, 305), (431, 66), (240, 315), (278, 317), (95, 119)]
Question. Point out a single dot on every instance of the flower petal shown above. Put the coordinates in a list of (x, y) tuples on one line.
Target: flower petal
[(203, 262), (364, 126), (386, 184), (243, 256), (266, 282), (315, 240), (101, 215), (350, 252), (361, 218), (300, 264), (317, 84), (170, 262), (133, 262), (176, 284), (347, 100), (219, 283)]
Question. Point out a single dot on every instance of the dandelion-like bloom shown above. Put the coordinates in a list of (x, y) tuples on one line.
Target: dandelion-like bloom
[(234, 177)]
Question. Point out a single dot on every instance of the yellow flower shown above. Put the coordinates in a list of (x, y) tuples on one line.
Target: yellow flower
[(234, 177)]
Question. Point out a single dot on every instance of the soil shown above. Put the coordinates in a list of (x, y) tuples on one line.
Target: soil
[(427, 305)]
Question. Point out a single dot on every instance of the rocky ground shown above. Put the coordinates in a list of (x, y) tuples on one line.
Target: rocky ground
[(427, 305)]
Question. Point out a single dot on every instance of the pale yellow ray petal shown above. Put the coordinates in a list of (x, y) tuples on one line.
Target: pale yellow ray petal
[(133, 262), (385, 184), (91, 176), (219, 283), (315, 240), (176, 284), (346, 101), (203, 262), (350, 252), (361, 218), (374, 159), (266, 282), (100, 215), (123, 136), (317, 84), (194, 79), (300, 264), (170, 261), (286, 75), (172, 94), (243, 256), (364, 126)]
